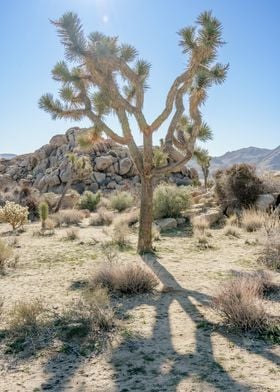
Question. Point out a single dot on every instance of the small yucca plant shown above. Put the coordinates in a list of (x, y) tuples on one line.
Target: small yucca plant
[(44, 213)]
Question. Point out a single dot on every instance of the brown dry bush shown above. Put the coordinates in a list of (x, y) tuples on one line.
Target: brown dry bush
[(232, 231), (120, 234), (67, 217), (239, 302), (26, 316), (72, 235), (129, 278), (253, 220), (5, 254), (200, 223), (270, 257), (238, 187), (102, 218)]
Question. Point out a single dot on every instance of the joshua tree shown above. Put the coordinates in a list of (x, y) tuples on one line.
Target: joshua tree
[(79, 169), (109, 77), (204, 160)]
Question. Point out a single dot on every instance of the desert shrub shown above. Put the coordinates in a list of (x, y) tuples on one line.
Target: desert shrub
[(72, 235), (120, 201), (233, 220), (5, 254), (102, 218), (129, 278), (200, 223), (270, 257), (89, 200), (67, 217), (239, 302), (232, 231), (203, 242), (86, 322), (271, 182), (44, 213), (120, 234), (169, 201), (131, 218), (155, 233), (252, 220), (14, 214), (238, 186), (25, 316)]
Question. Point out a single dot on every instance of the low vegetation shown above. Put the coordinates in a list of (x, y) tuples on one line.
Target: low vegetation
[(125, 278), (170, 201), (241, 304), (67, 217), (253, 220), (89, 200), (102, 218), (121, 201), (238, 187), (14, 214), (5, 254)]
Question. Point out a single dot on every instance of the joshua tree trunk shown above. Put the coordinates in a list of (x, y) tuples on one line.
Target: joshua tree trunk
[(66, 188), (205, 172), (146, 216), (146, 208)]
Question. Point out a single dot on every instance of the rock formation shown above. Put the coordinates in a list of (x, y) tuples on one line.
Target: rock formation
[(48, 169)]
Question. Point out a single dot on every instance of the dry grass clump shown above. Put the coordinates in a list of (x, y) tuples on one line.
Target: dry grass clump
[(88, 318), (5, 254), (120, 201), (233, 220), (72, 235), (26, 316), (67, 217), (270, 257), (200, 223), (232, 231), (131, 218), (102, 218), (129, 278), (253, 220), (120, 234), (82, 327), (239, 302), (203, 242)]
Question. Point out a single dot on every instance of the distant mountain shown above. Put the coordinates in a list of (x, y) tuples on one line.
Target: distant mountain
[(7, 156), (262, 158)]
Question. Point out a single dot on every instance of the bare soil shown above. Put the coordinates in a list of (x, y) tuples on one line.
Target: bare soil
[(171, 340)]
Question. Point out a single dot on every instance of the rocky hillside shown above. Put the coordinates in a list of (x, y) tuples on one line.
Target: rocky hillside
[(263, 158), (48, 168)]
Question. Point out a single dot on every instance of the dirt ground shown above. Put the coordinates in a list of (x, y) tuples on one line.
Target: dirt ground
[(169, 341)]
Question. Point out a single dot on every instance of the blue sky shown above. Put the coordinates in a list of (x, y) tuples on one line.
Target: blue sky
[(244, 111)]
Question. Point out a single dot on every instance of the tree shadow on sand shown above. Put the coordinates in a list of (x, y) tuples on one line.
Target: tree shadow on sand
[(152, 364), (159, 364)]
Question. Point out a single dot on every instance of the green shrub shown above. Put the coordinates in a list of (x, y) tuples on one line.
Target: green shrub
[(89, 200), (120, 201), (170, 200)]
